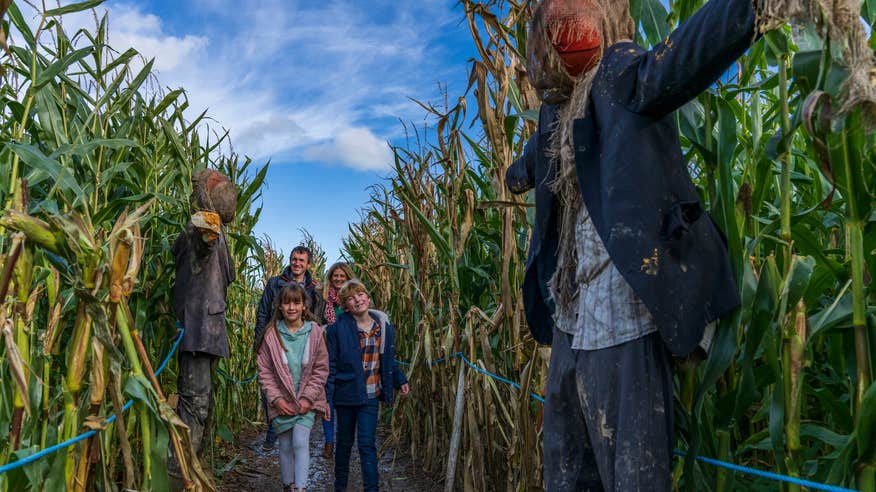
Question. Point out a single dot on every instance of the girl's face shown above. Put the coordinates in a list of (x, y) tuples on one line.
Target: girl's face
[(292, 311), (357, 303), (338, 278)]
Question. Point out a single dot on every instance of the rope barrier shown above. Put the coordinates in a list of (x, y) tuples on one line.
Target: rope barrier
[(711, 461), (236, 381), (738, 468), (770, 475), (85, 435)]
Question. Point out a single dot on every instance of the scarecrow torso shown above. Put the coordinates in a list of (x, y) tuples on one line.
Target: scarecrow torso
[(203, 273), (634, 181)]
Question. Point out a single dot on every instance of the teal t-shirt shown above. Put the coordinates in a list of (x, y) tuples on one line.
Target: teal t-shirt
[(294, 343)]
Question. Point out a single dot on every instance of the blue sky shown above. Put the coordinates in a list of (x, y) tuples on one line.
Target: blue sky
[(316, 87)]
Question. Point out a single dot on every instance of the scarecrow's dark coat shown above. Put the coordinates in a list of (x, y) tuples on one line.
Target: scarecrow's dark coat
[(203, 272), (634, 180)]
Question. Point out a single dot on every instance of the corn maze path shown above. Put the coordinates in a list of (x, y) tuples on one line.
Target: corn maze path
[(242, 466)]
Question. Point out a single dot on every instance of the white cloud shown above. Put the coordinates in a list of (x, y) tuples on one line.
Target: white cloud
[(290, 77), (131, 27), (357, 148)]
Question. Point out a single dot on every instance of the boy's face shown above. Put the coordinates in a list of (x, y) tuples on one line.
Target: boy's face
[(299, 263), (357, 303)]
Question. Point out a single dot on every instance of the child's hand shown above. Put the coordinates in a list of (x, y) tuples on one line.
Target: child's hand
[(405, 389), (284, 407), (304, 406)]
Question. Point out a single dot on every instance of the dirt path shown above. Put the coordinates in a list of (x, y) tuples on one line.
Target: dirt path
[(242, 466)]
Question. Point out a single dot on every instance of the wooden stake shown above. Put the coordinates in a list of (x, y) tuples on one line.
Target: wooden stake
[(456, 435)]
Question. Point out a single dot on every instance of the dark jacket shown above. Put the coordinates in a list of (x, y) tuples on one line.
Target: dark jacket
[(346, 380), (634, 180), (203, 272), (315, 303)]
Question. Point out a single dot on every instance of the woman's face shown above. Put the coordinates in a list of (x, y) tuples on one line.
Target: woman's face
[(292, 311), (357, 303), (338, 278)]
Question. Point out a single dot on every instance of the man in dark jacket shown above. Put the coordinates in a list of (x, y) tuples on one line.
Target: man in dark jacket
[(298, 271), (203, 272), (625, 268)]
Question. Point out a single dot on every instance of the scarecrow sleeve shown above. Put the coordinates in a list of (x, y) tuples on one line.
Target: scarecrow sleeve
[(686, 63), (520, 176)]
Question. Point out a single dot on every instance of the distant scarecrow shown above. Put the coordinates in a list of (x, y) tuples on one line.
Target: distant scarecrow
[(203, 272), (625, 268)]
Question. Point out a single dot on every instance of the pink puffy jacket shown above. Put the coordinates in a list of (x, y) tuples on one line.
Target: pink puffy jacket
[(276, 380)]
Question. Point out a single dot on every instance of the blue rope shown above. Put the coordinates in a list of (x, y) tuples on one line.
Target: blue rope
[(236, 381), (494, 376), (770, 475), (711, 461), (85, 435)]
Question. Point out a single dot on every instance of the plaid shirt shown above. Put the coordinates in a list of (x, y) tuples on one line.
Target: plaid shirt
[(369, 342)]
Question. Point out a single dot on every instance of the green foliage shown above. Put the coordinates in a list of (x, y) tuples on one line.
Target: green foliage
[(92, 163)]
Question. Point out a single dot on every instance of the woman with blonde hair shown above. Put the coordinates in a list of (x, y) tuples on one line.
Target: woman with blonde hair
[(335, 277)]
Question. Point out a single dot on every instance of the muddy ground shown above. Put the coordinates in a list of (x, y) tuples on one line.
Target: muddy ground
[(243, 466)]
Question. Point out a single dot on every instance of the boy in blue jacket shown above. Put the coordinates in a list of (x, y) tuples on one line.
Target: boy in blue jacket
[(362, 372)]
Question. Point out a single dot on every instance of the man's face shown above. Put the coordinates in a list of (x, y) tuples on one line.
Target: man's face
[(299, 263)]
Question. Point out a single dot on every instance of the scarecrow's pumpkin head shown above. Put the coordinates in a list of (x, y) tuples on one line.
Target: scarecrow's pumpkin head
[(567, 39), (213, 191)]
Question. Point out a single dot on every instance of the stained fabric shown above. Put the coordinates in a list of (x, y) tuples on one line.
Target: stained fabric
[(608, 417), (608, 311), (194, 385), (204, 271)]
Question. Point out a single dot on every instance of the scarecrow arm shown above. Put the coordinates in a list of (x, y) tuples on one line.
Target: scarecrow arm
[(519, 178), (520, 175), (686, 63)]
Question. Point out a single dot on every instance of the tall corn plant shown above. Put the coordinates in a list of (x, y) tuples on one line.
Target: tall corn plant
[(95, 182), (442, 246), (791, 183)]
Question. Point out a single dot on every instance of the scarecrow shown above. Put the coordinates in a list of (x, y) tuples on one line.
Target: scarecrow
[(626, 270), (203, 273), (637, 270)]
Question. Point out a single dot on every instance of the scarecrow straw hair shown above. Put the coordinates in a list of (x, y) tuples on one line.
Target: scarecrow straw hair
[(840, 21), (563, 287)]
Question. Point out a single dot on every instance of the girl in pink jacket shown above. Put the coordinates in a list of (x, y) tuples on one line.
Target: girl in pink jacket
[(293, 368)]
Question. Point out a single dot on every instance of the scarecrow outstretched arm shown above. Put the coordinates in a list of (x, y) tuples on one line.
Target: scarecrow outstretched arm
[(520, 176), (686, 63)]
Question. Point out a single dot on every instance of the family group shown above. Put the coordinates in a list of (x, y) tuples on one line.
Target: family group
[(323, 354)]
